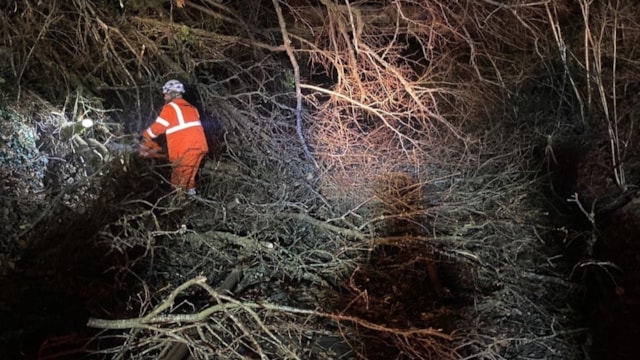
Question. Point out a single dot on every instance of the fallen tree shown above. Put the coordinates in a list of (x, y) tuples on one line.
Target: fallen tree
[(378, 180)]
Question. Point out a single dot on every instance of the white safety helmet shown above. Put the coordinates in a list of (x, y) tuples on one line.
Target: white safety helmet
[(173, 85)]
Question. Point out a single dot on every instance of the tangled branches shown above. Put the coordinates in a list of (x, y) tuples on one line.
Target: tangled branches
[(238, 327), (350, 127)]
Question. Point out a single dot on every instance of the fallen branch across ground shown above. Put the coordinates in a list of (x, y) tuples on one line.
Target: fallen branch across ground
[(226, 303)]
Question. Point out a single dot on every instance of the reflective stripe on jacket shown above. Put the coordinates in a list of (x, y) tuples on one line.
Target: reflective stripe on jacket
[(180, 121)]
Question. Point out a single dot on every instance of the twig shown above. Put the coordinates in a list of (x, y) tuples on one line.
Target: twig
[(296, 75), (336, 229), (589, 214)]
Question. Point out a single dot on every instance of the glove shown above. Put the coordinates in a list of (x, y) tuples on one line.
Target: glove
[(150, 149)]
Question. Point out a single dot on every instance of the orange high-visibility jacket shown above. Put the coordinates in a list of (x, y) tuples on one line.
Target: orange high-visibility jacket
[(180, 121)]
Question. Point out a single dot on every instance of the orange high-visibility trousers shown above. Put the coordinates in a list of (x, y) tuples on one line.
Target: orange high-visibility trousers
[(185, 168), (186, 140)]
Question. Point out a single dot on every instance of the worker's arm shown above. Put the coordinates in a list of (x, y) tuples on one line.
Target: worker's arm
[(150, 149), (161, 123)]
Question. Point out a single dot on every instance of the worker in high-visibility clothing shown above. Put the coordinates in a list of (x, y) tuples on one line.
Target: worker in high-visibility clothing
[(186, 140)]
